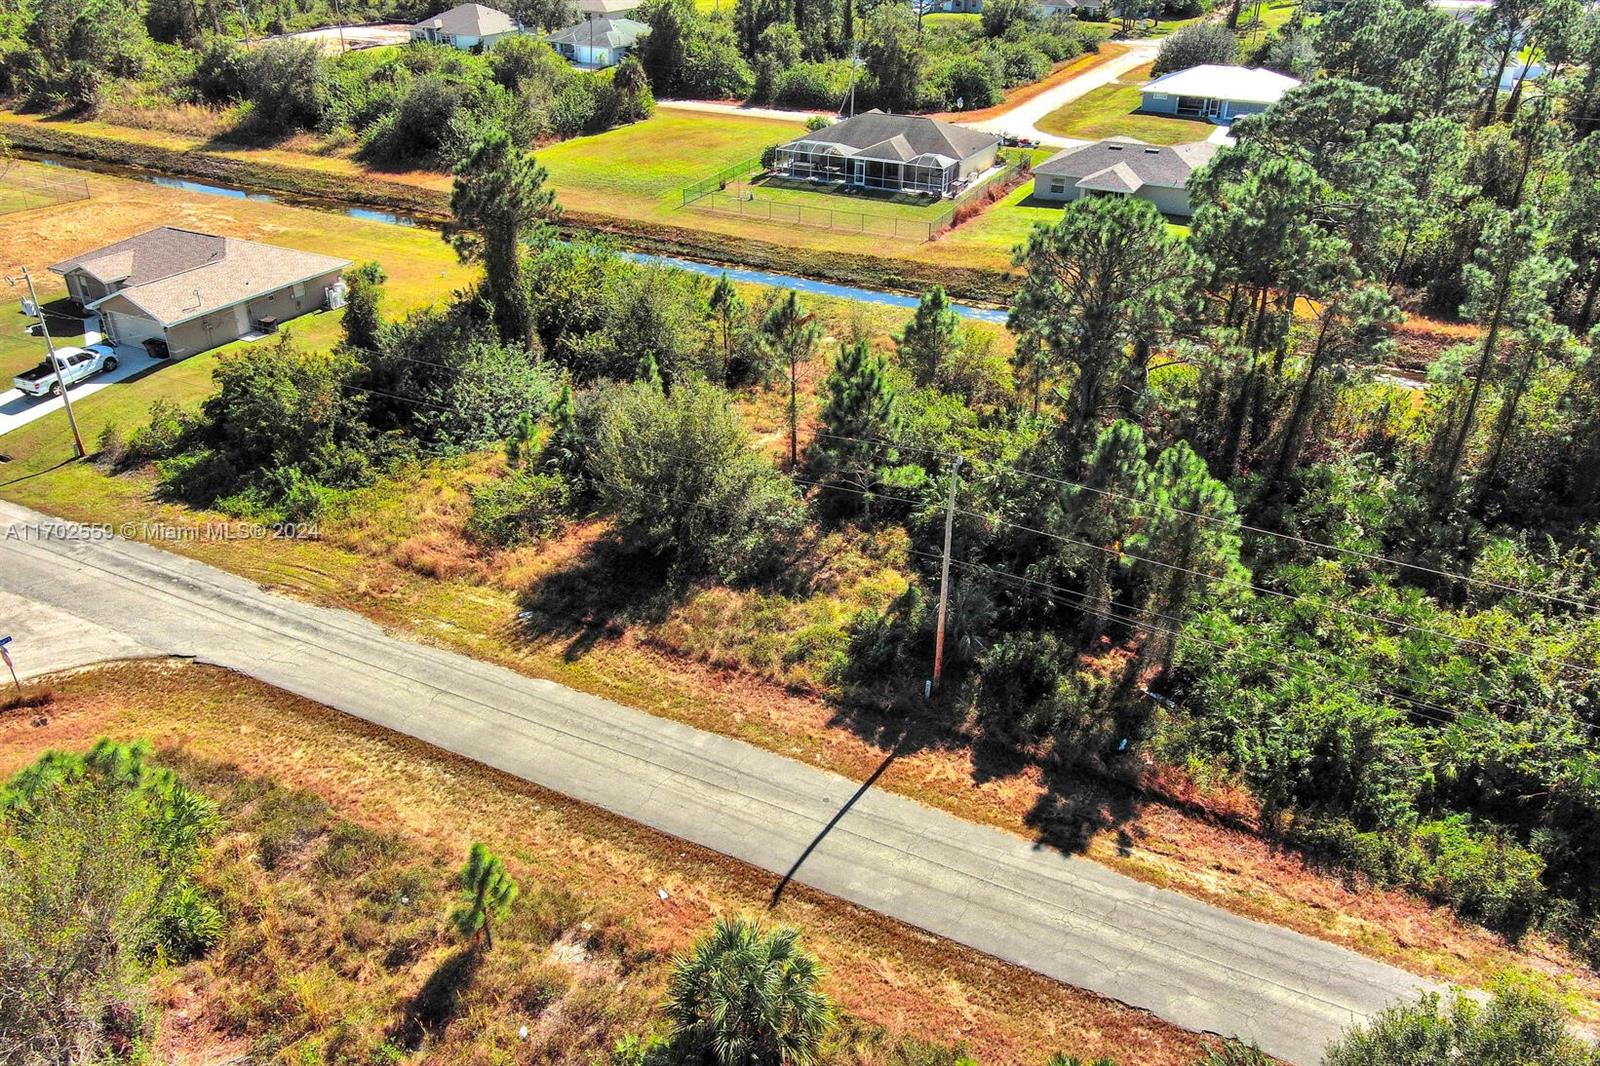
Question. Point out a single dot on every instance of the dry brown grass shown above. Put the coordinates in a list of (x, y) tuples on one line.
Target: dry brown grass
[(323, 956), (189, 120)]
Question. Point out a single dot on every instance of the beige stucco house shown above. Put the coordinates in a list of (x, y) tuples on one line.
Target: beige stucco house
[(1123, 166), (197, 290)]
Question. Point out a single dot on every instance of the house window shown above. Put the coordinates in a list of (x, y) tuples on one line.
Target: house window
[(1058, 184), (299, 291)]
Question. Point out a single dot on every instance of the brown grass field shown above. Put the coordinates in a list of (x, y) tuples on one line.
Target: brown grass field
[(325, 959)]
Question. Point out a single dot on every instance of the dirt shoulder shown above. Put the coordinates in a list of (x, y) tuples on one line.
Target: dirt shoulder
[(881, 972)]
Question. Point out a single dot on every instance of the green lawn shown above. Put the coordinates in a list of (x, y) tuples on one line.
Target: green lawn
[(18, 349), (1161, 28), (1008, 223), (642, 167), (422, 268), (811, 198), (1113, 110)]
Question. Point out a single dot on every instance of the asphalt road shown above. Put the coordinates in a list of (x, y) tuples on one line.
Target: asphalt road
[(1068, 918)]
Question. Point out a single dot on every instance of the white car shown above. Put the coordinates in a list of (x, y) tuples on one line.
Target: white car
[(77, 364)]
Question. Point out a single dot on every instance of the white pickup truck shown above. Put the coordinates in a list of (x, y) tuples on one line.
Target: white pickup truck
[(76, 365)]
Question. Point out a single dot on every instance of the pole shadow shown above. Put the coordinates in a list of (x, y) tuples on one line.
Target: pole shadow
[(872, 779)]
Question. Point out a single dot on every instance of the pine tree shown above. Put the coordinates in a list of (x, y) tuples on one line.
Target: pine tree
[(1103, 285), (1099, 514), (729, 311), (1509, 283), (791, 334), (931, 339), (859, 410), (487, 892), (1188, 541), (498, 202)]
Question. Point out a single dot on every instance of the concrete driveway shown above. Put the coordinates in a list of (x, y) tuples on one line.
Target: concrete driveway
[(1021, 120), (17, 410)]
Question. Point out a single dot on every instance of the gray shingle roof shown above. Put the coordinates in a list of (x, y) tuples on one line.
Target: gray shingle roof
[(151, 256), (868, 132), (173, 275), (611, 33), (469, 20), (1147, 163)]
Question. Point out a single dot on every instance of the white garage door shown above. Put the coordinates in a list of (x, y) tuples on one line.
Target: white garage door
[(130, 329)]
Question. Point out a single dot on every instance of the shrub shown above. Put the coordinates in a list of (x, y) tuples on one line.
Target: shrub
[(746, 987), (187, 925), (812, 85), (1019, 673), (485, 397), (1023, 63), (519, 507), (972, 82), (415, 130), (220, 73), (1516, 1028), (1483, 875), (1201, 42), (286, 84), (687, 483), (162, 436)]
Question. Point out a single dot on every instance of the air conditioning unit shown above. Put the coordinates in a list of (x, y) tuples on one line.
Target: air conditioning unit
[(333, 297)]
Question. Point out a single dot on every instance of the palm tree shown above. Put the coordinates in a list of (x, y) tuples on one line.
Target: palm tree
[(487, 892), (745, 996)]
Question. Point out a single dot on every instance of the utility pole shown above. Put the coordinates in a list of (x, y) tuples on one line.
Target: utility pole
[(55, 364), (339, 11), (944, 572), (855, 58)]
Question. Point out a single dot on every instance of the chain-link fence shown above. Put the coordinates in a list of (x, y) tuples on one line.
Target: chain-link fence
[(747, 202), (23, 188)]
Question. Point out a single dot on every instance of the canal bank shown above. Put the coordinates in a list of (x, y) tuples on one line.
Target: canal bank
[(808, 286), (308, 187)]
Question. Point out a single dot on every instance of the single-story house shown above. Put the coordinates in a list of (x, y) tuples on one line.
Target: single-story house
[(197, 290), (957, 7), (466, 26), (875, 150), (1216, 93), (598, 42), (1090, 9), (1123, 166)]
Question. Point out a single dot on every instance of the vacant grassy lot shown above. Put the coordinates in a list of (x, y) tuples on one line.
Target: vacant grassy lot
[(740, 663), (1265, 16), (642, 167), (337, 869), (1113, 110)]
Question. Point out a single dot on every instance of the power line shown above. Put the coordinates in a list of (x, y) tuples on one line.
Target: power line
[(1292, 597), (1420, 708), (1242, 526), (1445, 715)]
